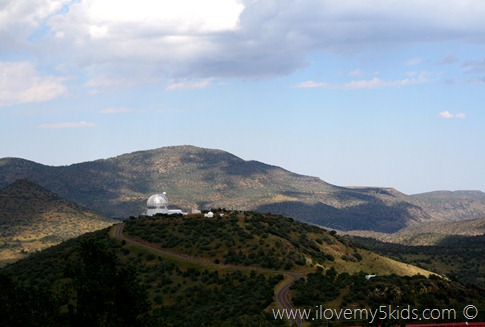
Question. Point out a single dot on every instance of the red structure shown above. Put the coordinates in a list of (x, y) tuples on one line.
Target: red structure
[(457, 324)]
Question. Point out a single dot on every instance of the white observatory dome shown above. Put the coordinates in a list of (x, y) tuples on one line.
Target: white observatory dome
[(157, 201)]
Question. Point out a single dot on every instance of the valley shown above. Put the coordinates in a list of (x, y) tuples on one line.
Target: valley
[(457, 257), (200, 178)]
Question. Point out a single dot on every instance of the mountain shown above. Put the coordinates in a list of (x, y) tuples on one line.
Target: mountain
[(452, 206), (203, 178), (33, 218), (431, 233)]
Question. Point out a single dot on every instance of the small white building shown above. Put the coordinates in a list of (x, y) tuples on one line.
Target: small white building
[(158, 203)]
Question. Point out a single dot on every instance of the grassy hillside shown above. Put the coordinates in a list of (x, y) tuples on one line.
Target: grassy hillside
[(261, 240), (96, 279), (123, 285), (459, 257), (204, 178), (33, 218)]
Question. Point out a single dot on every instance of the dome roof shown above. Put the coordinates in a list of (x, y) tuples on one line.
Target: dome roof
[(157, 200)]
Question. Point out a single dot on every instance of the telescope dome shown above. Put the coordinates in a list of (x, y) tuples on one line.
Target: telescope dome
[(157, 201)]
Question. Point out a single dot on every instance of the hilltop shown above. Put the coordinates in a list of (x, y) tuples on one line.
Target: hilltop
[(261, 240), (204, 178), (33, 218), (223, 271)]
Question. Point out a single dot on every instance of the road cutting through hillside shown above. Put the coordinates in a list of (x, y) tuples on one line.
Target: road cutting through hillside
[(281, 295)]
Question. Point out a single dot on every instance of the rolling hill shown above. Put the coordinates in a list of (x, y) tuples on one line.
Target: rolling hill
[(224, 271), (459, 257), (261, 240), (33, 218), (431, 233), (452, 206), (204, 178)]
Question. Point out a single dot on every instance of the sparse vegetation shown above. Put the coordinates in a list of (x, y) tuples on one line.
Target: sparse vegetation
[(458, 257), (32, 218), (205, 178), (343, 290), (99, 287), (209, 295), (247, 239)]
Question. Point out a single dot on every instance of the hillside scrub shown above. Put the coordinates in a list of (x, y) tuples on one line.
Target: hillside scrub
[(244, 239), (342, 290), (91, 281)]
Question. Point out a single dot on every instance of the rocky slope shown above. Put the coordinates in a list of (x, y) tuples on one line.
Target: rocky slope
[(203, 178), (33, 218)]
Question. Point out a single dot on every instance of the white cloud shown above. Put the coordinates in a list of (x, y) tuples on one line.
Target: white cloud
[(225, 38), (448, 115), (115, 110), (188, 85), (178, 16), (374, 83), (21, 82), (193, 38), (157, 32), (19, 19), (81, 124), (313, 84)]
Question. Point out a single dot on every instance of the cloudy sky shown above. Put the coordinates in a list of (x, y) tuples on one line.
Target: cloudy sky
[(381, 93)]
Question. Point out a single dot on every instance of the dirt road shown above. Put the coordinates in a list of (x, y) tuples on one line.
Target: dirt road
[(281, 294)]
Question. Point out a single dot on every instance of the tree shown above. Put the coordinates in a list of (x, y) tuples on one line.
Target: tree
[(27, 306), (105, 292)]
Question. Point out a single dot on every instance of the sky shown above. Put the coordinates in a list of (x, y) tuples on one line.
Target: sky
[(356, 92)]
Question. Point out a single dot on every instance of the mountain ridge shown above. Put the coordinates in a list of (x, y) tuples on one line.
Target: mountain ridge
[(452, 205), (33, 218), (197, 177)]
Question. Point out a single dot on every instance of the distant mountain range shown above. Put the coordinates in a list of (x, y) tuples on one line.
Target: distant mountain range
[(452, 206), (431, 233), (203, 178), (33, 218)]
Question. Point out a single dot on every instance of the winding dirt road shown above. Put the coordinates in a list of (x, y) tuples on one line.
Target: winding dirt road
[(281, 294)]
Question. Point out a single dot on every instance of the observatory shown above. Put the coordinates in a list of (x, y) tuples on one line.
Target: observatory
[(158, 203)]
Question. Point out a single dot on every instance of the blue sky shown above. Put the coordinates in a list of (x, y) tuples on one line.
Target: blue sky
[(374, 93)]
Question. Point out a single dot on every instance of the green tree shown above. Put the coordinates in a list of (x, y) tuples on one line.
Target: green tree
[(26, 306), (105, 292)]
